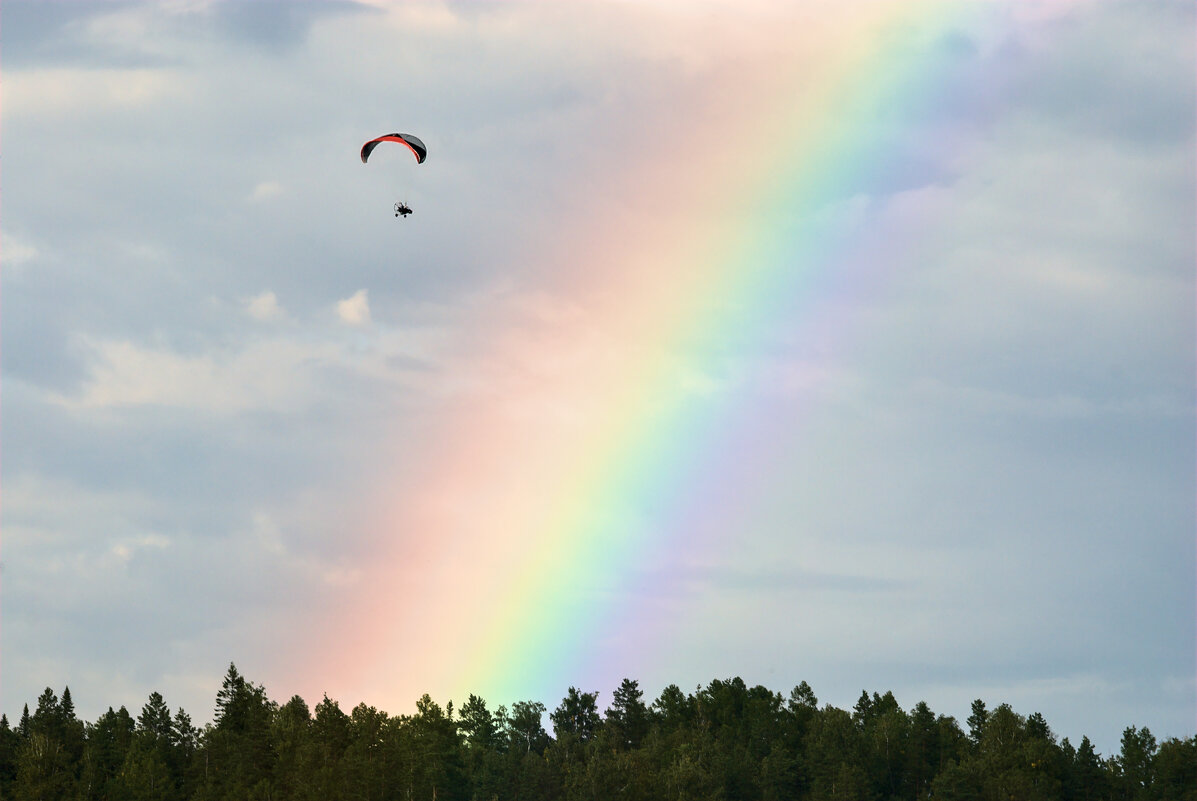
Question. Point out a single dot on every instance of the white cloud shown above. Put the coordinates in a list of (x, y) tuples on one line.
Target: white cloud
[(36, 516), (264, 307), (125, 549), (267, 539), (1042, 269), (275, 374), (16, 252), (355, 310), (264, 375), (70, 91), (266, 190)]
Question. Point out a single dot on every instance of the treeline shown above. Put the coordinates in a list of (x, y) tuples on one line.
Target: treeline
[(724, 741)]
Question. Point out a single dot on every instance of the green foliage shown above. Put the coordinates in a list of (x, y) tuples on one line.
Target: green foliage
[(1087, 777), (977, 720), (1176, 770), (1134, 764), (108, 742), (725, 741), (478, 725), (525, 732), (674, 709), (628, 718), (239, 754), (50, 755), (577, 717), (10, 744)]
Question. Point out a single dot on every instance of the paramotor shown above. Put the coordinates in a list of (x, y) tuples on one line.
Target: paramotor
[(412, 143)]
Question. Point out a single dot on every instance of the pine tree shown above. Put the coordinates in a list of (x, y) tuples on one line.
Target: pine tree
[(240, 754), (627, 716), (328, 739), (184, 760), (1175, 774), (291, 734), (1134, 763), (802, 697), (10, 744), (922, 753), (108, 742), (45, 771), (478, 724), (439, 770), (154, 721), (673, 709), (976, 721), (366, 759), (1087, 778), (726, 741), (863, 709)]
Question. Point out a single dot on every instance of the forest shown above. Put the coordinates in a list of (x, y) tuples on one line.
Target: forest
[(723, 741)]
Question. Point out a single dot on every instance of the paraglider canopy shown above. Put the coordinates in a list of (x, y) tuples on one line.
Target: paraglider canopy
[(413, 144)]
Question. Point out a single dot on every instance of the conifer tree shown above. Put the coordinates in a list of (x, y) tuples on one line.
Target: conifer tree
[(726, 741), (1087, 776), (108, 742), (673, 709), (45, 771), (239, 751), (478, 724), (10, 744), (1135, 762), (976, 721), (185, 741), (627, 716), (1174, 775)]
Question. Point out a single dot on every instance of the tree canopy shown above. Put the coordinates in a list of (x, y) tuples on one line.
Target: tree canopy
[(722, 741)]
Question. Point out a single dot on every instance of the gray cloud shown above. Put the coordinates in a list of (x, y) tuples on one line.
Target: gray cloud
[(117, 33), (51, 34), (1078, 73), (984, 425)]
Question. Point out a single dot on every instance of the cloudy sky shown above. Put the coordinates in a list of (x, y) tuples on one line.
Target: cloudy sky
[(851, 346)]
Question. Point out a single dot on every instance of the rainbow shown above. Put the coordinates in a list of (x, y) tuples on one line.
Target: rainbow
[(605, 427)]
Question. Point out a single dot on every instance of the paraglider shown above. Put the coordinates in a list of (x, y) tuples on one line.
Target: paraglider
[(412, 143)]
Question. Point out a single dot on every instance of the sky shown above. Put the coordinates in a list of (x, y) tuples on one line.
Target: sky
[(843, 343)]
